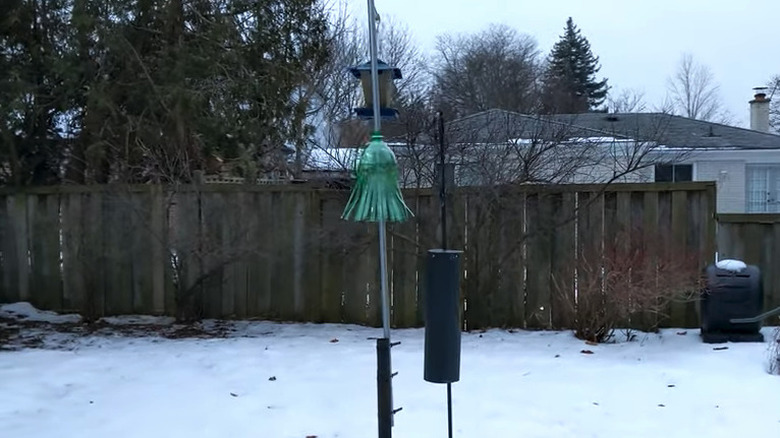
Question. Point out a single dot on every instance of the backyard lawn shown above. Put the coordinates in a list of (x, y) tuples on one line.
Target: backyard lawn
[(144, 377)]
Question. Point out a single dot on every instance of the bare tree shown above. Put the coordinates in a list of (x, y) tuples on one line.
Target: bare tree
[(500, 147), (694, 92), (628, 100), (339, 93), (774, 108), (498, 68)]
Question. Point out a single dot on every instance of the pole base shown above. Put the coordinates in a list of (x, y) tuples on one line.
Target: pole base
[(384, 388)]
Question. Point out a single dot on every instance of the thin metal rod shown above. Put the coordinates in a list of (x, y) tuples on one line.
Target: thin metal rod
[(758, 318), (383, 280), (372, 15), (449, 409), (443, 182)]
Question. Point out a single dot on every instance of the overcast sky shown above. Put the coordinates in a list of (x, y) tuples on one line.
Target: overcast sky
[(639, 42)]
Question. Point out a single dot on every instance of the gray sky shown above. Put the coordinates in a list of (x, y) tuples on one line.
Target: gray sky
[(639, 42)]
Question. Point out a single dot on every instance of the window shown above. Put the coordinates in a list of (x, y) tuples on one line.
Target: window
[(673, 172), (763, 189)]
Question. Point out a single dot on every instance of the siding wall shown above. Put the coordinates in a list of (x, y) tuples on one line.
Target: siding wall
[(730, 179), (732, 184)]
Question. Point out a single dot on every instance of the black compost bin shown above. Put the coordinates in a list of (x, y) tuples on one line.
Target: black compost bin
[(731, 294)]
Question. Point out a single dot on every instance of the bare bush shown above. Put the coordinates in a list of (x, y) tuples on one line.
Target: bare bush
[(633, 277), (774, 353)]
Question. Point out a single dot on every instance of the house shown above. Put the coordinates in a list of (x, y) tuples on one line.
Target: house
[(499, 147), (634, 147)]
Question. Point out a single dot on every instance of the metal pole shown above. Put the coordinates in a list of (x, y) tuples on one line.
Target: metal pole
[(443, 212), (449, 410), (384, 373), (384, 388), (383, 279), (372, 15), (443, 182)]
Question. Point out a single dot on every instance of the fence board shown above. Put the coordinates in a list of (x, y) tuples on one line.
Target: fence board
[(539, 216), (563, 262), (772, 289), (187, 245), (311, 253), (590, 223), (357, 261), (766, 250), (117, 213), (213, 212), (283, 299), (402, 240), (95, 254), (666, 239), (7, 292), (616, 244), (649, 224), (15, 246), (43, 228), (141, 242), (697, 232), (297, 254), (480, 264), (237, 248), (511, 247), (427, 218), (232, 249), (371, 266), (679, 235), (160, 270), (259, 263), (72, 247), (332, 244)]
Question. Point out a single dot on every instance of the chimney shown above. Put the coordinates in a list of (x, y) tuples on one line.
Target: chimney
[(759, 110)]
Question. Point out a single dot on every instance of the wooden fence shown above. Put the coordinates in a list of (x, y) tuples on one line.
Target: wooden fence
[(283, 252), (755, 239)]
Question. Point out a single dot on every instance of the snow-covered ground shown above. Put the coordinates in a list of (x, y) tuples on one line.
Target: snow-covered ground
[(274, 380)]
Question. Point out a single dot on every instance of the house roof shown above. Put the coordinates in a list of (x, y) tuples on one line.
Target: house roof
[(664, 129)]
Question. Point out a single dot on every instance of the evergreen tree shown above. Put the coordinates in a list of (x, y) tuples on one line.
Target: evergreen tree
[(570, 84), (93, 91)]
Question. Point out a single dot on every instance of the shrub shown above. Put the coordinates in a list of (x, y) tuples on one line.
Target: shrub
[(631, 280), (774, 353)]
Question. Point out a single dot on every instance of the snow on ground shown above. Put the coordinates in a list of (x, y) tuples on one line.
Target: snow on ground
[(297, 380), (26, 311)]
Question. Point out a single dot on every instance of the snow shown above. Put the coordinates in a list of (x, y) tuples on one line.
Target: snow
[(138, 320), (333, 159), (731, 265), (296, 380), (25, 311)]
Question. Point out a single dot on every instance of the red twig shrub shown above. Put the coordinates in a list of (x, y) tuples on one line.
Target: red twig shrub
[(629, 280)]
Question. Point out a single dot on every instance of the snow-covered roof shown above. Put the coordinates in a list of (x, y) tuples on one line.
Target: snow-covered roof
[(331, 159)]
